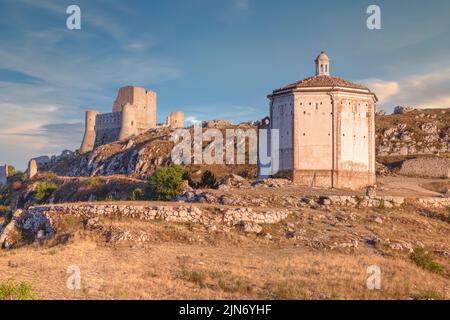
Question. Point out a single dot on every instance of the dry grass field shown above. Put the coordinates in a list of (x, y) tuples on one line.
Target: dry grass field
[(185, 261)]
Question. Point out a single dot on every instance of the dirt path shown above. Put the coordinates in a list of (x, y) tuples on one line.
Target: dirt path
[(405, 187)]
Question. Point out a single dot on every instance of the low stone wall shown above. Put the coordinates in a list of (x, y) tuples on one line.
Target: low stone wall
[(40, 222), (434, 202), (353, 201), (431, 167)]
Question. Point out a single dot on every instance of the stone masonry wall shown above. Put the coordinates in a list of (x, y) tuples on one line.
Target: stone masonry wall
[(427, 167)]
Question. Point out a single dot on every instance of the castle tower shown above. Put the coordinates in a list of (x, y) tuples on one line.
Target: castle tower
[(89, 132), (175, 120), (144, 103), (4, 175), (129, 125), (32, 168), (322, 65)]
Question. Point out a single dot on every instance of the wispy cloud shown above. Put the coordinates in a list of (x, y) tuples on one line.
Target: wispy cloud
[(15, 76), (242, 4), (423, 90)]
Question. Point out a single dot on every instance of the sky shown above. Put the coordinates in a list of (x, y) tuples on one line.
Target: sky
[(209, 58)]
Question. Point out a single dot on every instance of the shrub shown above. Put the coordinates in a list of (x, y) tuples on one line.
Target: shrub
[(102, 192), (92, 182), (5, 211), (11, 171), (23, 177), (44, 190), (16, 291), (50, 176), (429, 295), (208, 180), (426, 259), (197, 277), (165, 184), (187, 176), (137, 194)]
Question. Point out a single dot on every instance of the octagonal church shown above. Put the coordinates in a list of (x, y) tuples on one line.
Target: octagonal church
[(326, 130)]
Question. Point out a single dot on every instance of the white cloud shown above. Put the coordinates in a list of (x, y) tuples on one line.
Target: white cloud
[(242, 4), (422, 90), (192, 120), (383, 89)]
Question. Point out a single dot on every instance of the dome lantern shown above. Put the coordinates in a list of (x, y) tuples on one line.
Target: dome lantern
[(322, 65)]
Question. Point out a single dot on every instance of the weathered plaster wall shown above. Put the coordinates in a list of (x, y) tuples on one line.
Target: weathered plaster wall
[(282, 111), (354, 134), (314, 129)]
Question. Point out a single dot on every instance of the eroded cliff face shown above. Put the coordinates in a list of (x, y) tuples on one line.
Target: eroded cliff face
[(139, 156)]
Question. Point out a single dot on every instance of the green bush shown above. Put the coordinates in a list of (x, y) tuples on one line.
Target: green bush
[(188, 178), (11, 171), (5, 212), (92, 182), (137, 194), (16, 291), (429, 295), (209, 180), (424, 258), (44, 190), (51, 176), (165, 184)]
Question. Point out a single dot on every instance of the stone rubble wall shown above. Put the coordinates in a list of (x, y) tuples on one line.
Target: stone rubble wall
[(364, 201), (434, 202), (427, 167), (39, 222), (353, 201)]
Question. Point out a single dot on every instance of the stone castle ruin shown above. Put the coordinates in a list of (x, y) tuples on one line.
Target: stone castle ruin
[(4, 175), (133, 112), (326, 130)]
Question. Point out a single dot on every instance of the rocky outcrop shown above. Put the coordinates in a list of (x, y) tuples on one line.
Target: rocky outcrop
[(413, 132)]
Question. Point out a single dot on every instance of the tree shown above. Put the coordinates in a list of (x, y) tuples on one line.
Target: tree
[(165, 184)]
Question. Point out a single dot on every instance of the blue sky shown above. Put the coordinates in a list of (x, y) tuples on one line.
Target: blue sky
[(208, 58)]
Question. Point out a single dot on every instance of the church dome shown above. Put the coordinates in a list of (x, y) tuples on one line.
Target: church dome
[(322, 80), (322, 56)]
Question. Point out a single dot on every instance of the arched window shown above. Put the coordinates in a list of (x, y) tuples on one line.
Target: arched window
[(326, 68), (321, 68)]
